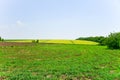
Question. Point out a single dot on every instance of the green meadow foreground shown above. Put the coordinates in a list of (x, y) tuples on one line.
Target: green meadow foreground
[(59, 62)]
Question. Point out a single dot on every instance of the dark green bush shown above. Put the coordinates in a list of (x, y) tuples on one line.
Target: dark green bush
[(113, 41), (1, 39), (35, 41)]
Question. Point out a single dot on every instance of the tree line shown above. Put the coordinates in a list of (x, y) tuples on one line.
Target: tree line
[(99, 39), (112, 40)]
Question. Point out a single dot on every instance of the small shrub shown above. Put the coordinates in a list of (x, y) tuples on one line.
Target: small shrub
[(37, 41), (113, 41), (33, 41)]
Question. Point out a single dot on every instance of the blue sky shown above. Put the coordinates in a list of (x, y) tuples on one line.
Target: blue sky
[(58, 19)]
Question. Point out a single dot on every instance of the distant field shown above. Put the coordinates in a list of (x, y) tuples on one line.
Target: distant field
[(59, 41), (58, 62), (19, 40)]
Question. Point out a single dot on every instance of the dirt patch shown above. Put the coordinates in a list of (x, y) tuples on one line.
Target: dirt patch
[(68, 77), (12, 44), (3, 78), (63, 77)]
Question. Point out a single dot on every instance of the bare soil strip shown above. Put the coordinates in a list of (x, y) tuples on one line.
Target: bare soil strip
[(15, 43)]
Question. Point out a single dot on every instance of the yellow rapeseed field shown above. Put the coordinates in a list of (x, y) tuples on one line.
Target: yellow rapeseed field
[(59, 41), (69, 42)]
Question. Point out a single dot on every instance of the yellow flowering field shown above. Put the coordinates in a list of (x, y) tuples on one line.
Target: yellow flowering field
[(58, 41)]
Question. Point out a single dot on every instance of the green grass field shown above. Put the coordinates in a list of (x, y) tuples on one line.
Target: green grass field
[(59, 62)]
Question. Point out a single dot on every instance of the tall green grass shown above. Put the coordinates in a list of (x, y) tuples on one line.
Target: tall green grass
[(59, 62)]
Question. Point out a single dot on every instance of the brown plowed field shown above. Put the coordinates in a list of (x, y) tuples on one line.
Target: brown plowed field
[(15, 43)]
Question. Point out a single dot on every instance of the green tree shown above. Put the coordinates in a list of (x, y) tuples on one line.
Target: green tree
[(0, 38), (113, 41)]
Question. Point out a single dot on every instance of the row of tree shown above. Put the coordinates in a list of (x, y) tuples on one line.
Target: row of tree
[(112, 40), (99, 39)]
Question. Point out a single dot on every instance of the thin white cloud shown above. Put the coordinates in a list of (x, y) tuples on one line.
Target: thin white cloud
[(19, 23)]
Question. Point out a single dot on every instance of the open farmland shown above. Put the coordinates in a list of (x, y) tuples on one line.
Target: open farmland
[(58, 62), (58, 41), (68, 42)]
